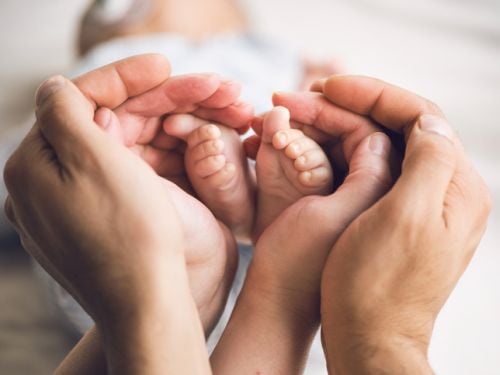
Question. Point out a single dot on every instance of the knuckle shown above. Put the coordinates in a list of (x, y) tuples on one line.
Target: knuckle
[(436, 151), (50, 111), (431, 107), (12, 173)]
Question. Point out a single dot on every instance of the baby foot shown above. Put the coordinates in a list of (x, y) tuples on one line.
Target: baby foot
[(289, 166), (218, 170)]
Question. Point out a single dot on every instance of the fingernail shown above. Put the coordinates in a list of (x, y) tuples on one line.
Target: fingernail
[(435, 124), (48, 88), (378, 144)]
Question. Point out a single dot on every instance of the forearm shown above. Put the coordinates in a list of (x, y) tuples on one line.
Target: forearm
[(165, 338), (159, 339), (264, 337)]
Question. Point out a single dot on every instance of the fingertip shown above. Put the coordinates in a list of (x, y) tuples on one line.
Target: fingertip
[(251, 146), (436, 125), (379, 144), (158, 62), (278, 97), (318, 85), (256, 124), (102, 117), (48, 88)]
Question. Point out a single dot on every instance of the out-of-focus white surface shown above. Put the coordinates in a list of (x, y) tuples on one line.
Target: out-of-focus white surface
[(446, 50)]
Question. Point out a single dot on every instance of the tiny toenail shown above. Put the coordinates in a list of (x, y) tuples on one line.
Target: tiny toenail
[(213, 130), (307, 175), (296, 148), (282, 138), (301, 159)]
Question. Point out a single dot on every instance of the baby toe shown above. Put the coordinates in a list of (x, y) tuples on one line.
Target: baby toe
[(284, 138), (223, 179), (205, 149), (299, 147), (317, 177), (310, 159), (278, 119), (210, 165), (202, 134)]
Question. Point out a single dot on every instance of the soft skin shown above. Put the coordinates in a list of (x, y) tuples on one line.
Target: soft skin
[(88, 178), (280, 302), (409, 249)]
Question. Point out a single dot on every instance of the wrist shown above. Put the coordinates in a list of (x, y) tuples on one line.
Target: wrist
[(151, 334), (269, 297), (281, 335)]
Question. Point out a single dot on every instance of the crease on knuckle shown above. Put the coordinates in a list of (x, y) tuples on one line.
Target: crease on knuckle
[(434, 151), (50, 112)]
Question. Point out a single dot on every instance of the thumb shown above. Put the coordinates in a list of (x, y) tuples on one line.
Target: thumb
[(428, 166), (368, 180), (107, 120), (65, 118)]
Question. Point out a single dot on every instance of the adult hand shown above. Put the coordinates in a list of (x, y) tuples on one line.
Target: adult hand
[(138, 125), (279, 305), (391, 271), (70, 199), (64, 133)]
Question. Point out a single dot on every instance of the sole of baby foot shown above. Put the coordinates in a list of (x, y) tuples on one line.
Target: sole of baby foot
[(289, 166), (218, 169)]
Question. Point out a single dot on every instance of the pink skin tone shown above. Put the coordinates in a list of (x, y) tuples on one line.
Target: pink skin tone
[(137, 125), (289, 166)]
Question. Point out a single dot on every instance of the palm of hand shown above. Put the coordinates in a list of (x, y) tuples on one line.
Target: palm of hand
[(210, 247)]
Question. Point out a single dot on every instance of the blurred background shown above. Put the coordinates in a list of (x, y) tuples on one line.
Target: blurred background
[(445, 50)]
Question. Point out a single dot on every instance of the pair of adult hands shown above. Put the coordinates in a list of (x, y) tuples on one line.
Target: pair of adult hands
[(394, 260)]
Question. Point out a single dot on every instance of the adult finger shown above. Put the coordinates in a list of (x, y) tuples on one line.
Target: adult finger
[(314, 109), (237, 115), (227, 94), (393, 107), (368, 180), (251, 146), (176, 92), (204, 95), (428, 168), (113, 84), (65, 118), (318, 86)]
